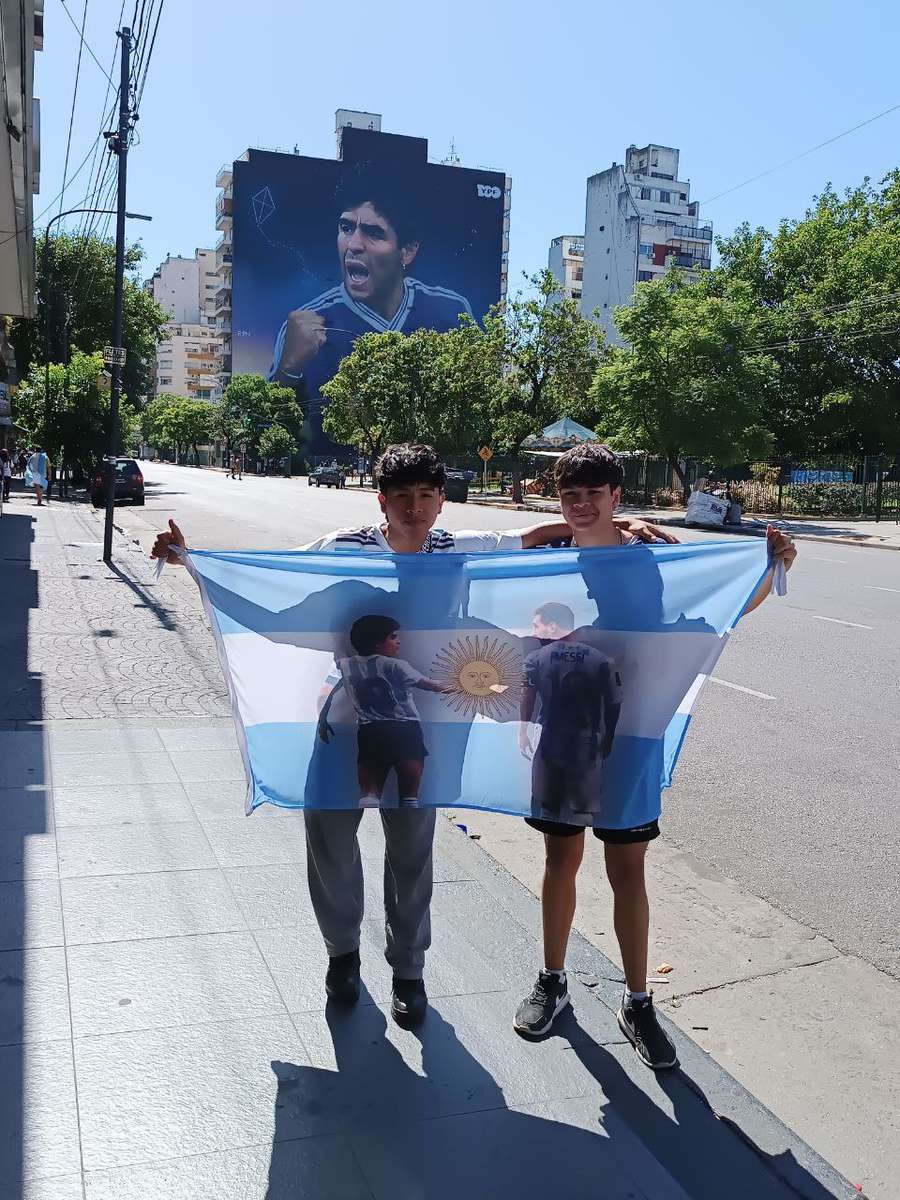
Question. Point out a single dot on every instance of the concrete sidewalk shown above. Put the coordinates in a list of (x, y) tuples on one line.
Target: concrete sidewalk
[(163, 1031)]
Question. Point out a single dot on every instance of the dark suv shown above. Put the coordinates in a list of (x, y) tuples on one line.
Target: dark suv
[(326, 477), (129, 482)]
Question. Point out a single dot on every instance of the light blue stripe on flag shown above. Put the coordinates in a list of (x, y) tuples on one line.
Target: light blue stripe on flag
[(362, 677)]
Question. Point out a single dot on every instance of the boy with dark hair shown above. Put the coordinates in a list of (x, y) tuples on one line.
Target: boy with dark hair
[(389, 732), (410, 480), (589, 480)]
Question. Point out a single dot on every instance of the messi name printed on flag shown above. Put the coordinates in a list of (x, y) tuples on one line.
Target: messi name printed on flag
[(547, 683)]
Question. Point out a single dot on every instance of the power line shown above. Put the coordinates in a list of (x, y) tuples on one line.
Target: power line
[(146, 67), (33, 223), (74, 98), (83, 40), (819, 337), (829, 310), (803, 154), (104, 118)]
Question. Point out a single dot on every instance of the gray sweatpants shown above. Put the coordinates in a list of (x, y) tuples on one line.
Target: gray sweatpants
[(335, 874)]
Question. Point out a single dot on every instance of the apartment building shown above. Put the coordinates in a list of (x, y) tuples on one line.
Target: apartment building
[(639, 221), (566, 263), (187, 361)]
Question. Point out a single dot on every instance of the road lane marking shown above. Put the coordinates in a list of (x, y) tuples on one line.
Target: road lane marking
[(874, 588), (738, 688), (838, 621), (818, 558)]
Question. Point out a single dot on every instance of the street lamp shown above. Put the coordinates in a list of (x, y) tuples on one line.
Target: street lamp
[(59, 216)]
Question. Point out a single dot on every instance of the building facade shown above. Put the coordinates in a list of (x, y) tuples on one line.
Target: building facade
[(566, 263), (187, 361), (358, 135), (21, 34), (639, 221)]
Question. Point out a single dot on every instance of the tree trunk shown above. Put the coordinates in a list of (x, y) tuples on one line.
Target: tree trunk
[(676, 467), (517, 479)]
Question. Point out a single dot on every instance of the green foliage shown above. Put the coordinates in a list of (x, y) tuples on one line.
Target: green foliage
[(393, 388), (75, 282), (276, 442), (541, 354), (177, 421), (249, 406), (71, 418), (684, 384), (826, 288)]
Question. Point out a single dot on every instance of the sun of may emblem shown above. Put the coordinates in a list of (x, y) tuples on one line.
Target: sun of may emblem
[(483, 672)]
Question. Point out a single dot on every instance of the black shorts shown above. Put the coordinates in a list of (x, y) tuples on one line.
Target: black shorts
[(613, 837), (385, 743)]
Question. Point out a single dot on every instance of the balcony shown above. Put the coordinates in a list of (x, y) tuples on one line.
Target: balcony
[(223, 255), (689, 262), (223, 175), (223, 212), (224, 241), (698, 233)]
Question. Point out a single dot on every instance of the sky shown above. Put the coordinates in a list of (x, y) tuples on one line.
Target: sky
[(549, 93)]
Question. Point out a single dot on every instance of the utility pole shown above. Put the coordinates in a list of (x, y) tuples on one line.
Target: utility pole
[(120, 147)]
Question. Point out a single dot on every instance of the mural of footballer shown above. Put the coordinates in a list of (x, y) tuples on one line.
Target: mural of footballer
[(573, 690), (377, 242)]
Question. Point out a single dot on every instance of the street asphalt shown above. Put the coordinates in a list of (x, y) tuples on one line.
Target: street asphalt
[(787, 780)]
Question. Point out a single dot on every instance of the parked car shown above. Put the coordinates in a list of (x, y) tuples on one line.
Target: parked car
[(457, 486), (327, 477), (129, 482)]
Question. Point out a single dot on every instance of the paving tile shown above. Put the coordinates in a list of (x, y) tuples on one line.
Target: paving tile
[(122, 908), (27, 809), (30, 914), (221, 798), (250, 842), (320, 1167), (127, 739), (34, 995), (38, 1080), (272, 897), (27, 855), (121, 804), (23, 758), (133, 849), (165, 982), (298, 960), (112, 767), (63, 1187), (191, 738), (208, 764), (164, 1093), (500, 1153)]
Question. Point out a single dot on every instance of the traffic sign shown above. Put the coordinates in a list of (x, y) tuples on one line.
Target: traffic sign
[(114, 356), (485, 453)]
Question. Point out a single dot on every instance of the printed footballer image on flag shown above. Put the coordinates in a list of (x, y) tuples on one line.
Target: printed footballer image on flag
[(556, 684)]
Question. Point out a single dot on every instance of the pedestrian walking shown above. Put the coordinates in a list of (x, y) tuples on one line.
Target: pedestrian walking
[(5, 471), (37, 474)]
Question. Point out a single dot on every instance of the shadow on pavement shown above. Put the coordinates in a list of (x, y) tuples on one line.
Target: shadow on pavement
[(448, 1132), (24, 803)]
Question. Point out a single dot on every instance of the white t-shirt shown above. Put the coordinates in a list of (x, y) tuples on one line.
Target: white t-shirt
[(379, 687), (369, 539)]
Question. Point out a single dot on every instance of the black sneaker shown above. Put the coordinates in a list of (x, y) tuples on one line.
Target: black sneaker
[(408, 1002), (548, 998), (638, 1022), (342, 978)]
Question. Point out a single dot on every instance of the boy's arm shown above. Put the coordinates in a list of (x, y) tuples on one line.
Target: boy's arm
[(432, 685), (781, 549), (527, 700), (552, 531)]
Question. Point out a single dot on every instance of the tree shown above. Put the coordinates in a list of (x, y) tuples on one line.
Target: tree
[(71, 418), (396, 388), (276, 442), (250, 405), (687, 382), (74, 280), (826, 289), (538, 356), (179, 422)]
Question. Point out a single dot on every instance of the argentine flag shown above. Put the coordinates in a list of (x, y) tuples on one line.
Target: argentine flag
[(549, 683)]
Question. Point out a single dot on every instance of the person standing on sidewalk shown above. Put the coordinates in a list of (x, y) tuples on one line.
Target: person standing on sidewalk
[(589, 480), (5, 472), (37, 474), (410, 481)]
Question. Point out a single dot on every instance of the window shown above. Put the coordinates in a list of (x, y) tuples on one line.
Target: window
[(607, 249), (576, 295), (646, 249), (579, 273), (665, 197), (643, 276), (645, 193), (682, 196)]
